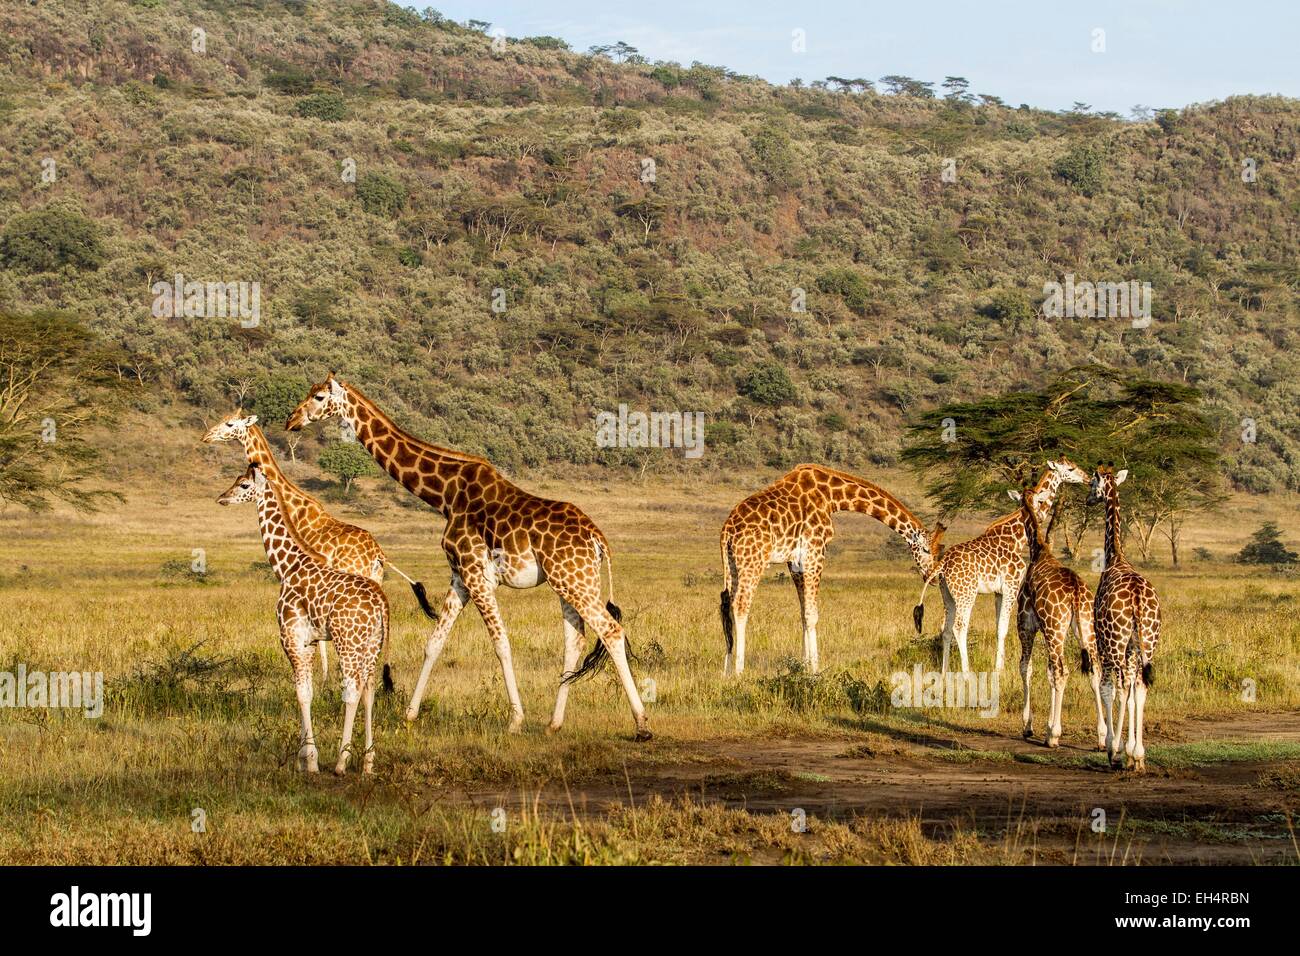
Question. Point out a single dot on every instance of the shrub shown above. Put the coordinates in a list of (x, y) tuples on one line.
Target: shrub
[(768, 384), (1266, 547), (849, 285), (1082, 168), (773, 156), (43, 240), (381, 195), (346, 461), (323, 106), (1009, 305)]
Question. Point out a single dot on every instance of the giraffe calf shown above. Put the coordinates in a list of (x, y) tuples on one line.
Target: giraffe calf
[(1054, 600), (318, 603)]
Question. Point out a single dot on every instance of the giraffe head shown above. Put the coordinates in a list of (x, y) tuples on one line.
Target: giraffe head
[(1067, 470), (245, 488), (234, 427), (1104, 483), (327, 399)]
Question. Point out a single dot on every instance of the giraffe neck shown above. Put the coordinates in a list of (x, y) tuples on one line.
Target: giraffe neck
[(258, 451), (284, 549), (1033, 532), (1014, 526), (428, 471), (861, 496), (1114, 550)]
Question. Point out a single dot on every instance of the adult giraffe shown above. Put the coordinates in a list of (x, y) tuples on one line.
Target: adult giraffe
[(1127, 614), (990, 563), (790, 521), (496, 533)]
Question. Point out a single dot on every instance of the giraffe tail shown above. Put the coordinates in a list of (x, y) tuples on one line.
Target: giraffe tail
[(918, 612), (420, 594), (614, 610), (1085, 659), (724, 606), (595, 660)]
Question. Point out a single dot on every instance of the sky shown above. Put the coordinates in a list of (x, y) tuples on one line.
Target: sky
[(1158, 53)]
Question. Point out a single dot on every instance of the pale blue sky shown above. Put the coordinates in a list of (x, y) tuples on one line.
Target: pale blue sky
[(1158, 52)]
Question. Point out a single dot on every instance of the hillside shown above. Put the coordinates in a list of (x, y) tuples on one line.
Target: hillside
[(517, 178)]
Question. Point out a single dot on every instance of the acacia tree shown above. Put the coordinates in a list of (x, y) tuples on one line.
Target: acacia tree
[(56, 380), (971, 452)]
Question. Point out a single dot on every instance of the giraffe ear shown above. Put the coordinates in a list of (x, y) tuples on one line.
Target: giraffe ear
[(1013, 494), (250, 420), (1120, 476), (336, 389)]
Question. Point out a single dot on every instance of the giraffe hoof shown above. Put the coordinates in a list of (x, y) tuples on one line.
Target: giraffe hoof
[(516, 726), (1054, 742), (552, 729), (643, 734), (1027, 733)]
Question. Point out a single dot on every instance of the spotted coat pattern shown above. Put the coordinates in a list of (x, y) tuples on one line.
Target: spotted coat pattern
[(319, 603), (790, 521), (1127, 614), (1054, 600), (496, 533), (990, 563)]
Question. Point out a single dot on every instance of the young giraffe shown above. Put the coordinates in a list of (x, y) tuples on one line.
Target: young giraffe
[(343, 546), (496, 534), (1127, 614), (790, 521), (1056, 601), (319, 603), (989, 563)]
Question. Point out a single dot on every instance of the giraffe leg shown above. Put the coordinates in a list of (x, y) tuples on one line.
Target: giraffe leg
[(811, 589), (351, 697), (1139, 750), (1133, 679), (1003, 604), (1107, 692), (1088, 643), (742, 601), (960, 628), (949, 623), (368, 696), (456, 597), (1058, 673), (1125, 687), (296, 639), (572, 650), (484, 597), (1025, 629)]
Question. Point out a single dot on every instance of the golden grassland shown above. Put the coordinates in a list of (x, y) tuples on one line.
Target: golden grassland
[(200, 712)]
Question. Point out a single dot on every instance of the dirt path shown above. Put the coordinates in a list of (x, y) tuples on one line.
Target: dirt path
[(1225, 812)]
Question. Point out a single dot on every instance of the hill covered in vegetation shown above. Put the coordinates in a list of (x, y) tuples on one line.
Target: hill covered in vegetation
[(497, 237)]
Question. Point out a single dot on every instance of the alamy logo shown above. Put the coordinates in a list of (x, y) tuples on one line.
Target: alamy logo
[(75, 908), (74, 690), (971, 690), (208, 300), (1098, 300), (626, 429)]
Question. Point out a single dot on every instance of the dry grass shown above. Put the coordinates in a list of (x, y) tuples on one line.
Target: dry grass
[(200, 713)]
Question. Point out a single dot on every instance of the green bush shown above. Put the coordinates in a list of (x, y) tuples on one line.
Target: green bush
[(381, 195), (768, 384), (346, 461), (43, 240), (1082, 168), (849, 285), (1266, 547), (323, 106)]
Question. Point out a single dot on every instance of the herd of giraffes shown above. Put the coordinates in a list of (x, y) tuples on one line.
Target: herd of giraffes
[(496, 533)]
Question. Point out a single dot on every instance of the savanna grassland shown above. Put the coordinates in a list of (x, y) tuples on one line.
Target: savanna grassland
[(200, 710)]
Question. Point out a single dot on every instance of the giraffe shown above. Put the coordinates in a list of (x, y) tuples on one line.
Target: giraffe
[(496, 533), (990, 563), (318, 603), (1127, 613), (1056, 601), (790, 521), (343, 546)]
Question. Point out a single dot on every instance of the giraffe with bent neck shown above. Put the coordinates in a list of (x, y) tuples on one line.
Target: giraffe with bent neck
[(1127, 614), (790, 521), (319, 603), (341, 545), (990, 563), (496, 533)]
